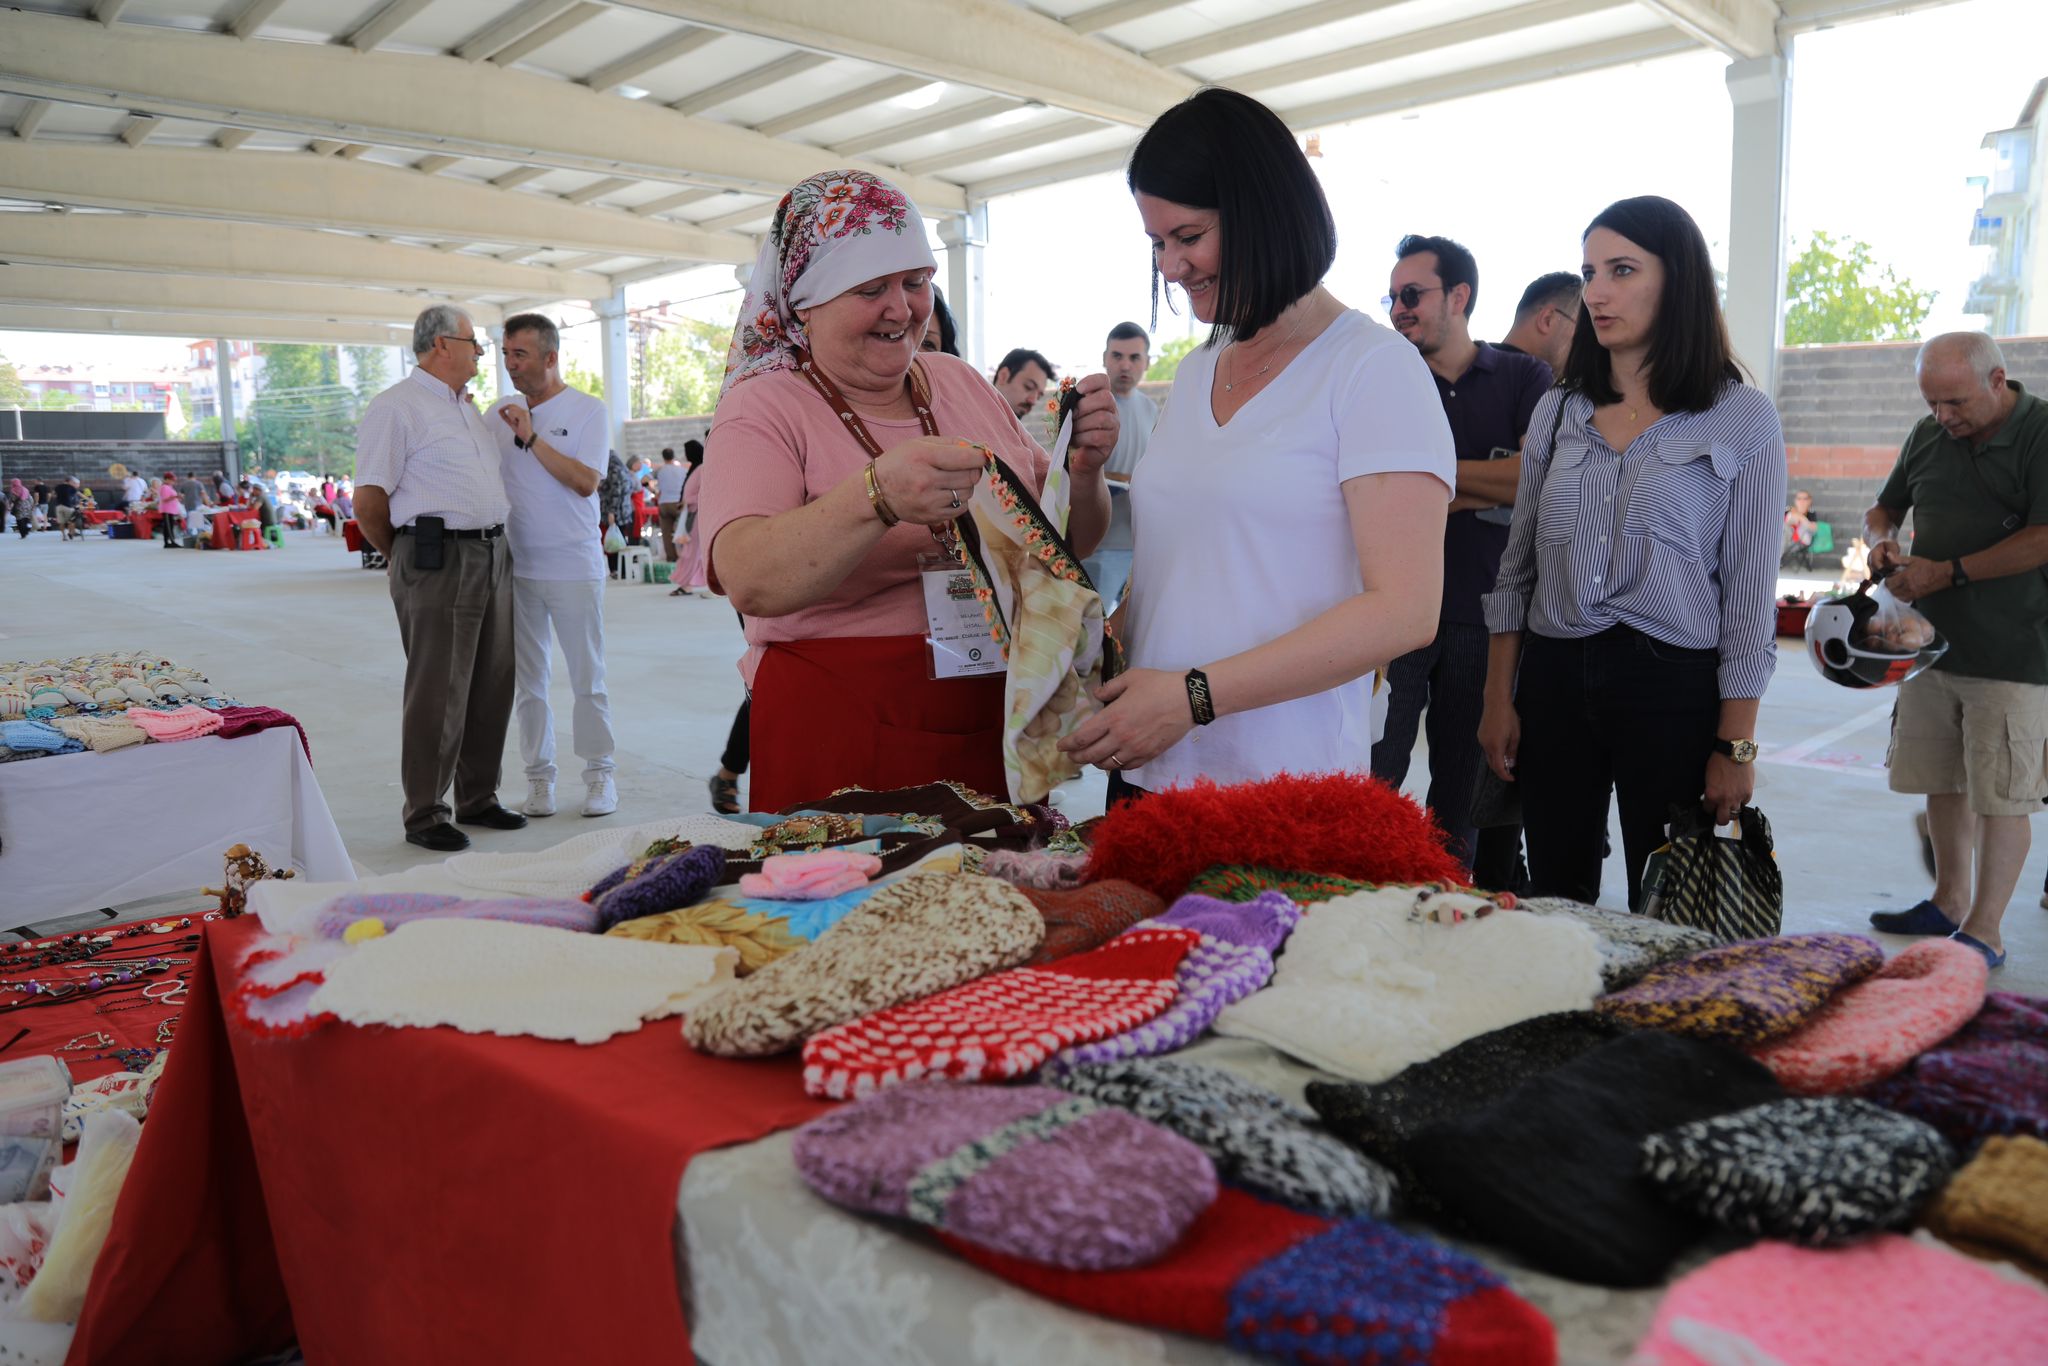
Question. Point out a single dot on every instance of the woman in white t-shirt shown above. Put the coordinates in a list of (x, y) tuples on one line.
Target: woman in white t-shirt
[(1289, 515)]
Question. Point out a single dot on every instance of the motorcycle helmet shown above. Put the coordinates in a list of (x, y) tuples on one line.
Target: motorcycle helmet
[(1843, 646)]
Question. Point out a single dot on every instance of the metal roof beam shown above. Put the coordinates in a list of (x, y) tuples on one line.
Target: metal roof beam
[(500, 34), (614, 74), (1119, 12), (984, 44), (31, 119), (564, 23), (384, 23), (1804, 16), (256, 251), (1422, 40), (1017, 142), (434, 165), (20, 318), (253, 17), (674, 201), (943, 122), (747, 82), (863, 98), (136, 131), (130, 291), (1284, 25), (1740, 28), (389, 99), (1074, 168), (598, 189), (108, 12), (314, 192)]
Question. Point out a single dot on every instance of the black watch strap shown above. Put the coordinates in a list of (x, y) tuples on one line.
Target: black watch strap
[(1957, 575), (1199, 702)]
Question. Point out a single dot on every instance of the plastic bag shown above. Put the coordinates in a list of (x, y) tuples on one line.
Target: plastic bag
[(1895, 628), (614, 541), (1731, 888)]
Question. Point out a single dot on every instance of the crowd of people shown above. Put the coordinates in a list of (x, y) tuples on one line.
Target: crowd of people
[(1555, 555)]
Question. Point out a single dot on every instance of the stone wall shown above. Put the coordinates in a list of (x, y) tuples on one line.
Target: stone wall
[(645, 436), (46, 460)]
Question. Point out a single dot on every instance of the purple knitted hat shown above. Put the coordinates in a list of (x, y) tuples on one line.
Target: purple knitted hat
[(1263, 922), (1746, 992), (1990, 1078), (1234, 959), (333, 920), (651, 886), (1024, 1170)]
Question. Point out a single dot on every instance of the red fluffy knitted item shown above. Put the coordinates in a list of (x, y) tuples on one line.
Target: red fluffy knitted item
[(1348, 824)]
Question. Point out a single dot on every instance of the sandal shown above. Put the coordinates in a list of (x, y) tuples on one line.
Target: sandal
[(679, 592), (725, 796)]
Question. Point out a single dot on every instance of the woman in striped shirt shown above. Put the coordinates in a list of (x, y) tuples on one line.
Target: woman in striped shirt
[(1633, 620)]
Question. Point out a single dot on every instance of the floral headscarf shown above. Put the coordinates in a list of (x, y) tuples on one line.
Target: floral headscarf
[(833, 231)]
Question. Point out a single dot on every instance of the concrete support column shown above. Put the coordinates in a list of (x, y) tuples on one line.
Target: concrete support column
[(497, 335), (966, 237), (1761, 88), (224, 381), (611, 323)]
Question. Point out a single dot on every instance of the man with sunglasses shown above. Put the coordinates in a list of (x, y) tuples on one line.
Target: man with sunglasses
[(1488, 395), (431, 499)]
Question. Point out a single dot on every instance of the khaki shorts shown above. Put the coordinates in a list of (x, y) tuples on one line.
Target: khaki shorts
[(1981, 736)]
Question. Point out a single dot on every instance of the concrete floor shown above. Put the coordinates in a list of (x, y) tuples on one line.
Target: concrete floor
[(308, 630)]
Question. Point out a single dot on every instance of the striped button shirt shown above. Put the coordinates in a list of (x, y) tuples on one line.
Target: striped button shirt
[(1676, 537), (427, 447)]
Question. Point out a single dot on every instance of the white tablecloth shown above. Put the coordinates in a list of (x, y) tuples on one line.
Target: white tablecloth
[(82, 831)]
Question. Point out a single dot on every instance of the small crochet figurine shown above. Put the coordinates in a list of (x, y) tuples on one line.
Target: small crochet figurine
[(245, 867)]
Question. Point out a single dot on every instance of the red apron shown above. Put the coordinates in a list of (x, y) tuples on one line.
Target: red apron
[(861, 711)]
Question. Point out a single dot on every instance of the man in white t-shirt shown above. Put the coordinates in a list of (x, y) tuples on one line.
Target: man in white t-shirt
[(668, 497), (1125, 358), (554, 441), (134, 492)]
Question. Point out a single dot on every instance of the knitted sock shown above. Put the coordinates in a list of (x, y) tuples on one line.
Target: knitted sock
[(1002, 1026), (1873, 1029), (810, 877), (37, 737), (1990, 1078), (1552, 1170), (1233, 960), (101, 734), (1997, 1206), (178, 723), (1814, 1171), (1256, 1139), (1746, 992), (1888, 1299), (1278, 1283), (1087, 917), (911, 940), (392, 909), (1026, 1170), (1348, 824), (1380, 1120), (662, 882)]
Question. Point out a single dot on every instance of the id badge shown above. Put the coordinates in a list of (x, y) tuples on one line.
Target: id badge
[(957, 639)]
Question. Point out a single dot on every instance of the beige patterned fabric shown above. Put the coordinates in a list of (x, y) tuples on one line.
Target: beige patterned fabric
[(909, 941)]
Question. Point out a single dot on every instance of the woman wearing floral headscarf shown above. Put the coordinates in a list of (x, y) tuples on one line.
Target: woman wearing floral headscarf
[(21, 506), (833, 466)]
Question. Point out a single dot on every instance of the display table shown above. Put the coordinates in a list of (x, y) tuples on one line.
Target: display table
[(145, 524), (413, 1195), (225, 522), (83, 831), (101, 516)]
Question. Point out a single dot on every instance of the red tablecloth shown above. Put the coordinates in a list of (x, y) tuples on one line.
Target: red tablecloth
[(145, 524), (225, 522), (408, 1195), (101, 516), (352, 536)]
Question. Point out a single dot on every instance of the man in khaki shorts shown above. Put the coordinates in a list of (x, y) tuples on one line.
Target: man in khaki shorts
[(1972, 732)]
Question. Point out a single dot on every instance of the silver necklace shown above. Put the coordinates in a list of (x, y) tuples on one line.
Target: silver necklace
[(1228, 385)]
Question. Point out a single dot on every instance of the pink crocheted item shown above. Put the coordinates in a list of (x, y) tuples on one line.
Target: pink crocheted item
[(179, 723), (1889, 1299), (810, 877), (1873, 1029)]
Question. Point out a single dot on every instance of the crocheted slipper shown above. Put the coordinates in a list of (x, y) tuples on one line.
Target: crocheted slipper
[(1925, 918), (1992, 957)]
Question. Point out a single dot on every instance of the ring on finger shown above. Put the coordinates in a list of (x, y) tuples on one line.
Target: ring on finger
[(955, 493), (1114, 762)]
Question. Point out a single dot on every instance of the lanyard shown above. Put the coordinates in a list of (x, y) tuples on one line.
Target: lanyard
[(920, 400)]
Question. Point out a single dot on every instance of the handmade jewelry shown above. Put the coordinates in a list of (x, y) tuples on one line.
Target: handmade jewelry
[(97, 1039), (1228, 385)]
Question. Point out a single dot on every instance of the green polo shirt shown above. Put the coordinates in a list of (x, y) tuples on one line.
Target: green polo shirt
[(1996, 628)]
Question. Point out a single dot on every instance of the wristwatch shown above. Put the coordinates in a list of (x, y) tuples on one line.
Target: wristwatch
[(1741, 751), (1957, 575)]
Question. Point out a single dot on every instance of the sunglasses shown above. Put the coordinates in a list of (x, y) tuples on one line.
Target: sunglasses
[(1408, 295)]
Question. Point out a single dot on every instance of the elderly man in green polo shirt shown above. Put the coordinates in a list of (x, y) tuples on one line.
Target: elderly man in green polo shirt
[(1972, 732)]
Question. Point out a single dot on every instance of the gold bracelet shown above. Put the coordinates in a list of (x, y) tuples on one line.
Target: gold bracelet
[(876, 500)]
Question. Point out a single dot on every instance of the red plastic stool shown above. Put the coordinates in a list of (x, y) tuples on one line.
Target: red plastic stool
[(250, 537)]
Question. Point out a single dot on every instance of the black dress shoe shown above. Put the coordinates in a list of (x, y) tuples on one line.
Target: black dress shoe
[(496, 817), (440, 837)]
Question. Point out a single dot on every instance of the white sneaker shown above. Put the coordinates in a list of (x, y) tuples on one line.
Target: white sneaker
[(601, 797), (540, 797)]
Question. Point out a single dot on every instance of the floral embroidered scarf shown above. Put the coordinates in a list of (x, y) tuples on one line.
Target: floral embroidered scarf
[(831, 232)]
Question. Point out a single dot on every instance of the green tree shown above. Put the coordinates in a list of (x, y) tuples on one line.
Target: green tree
[(1167, 362), (372, 365), (576, 377), (12, 391), (56, 398), (304, 415), (685, 365), (1836, 292)]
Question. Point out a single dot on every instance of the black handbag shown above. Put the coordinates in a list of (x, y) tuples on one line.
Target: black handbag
[(1730, 888)]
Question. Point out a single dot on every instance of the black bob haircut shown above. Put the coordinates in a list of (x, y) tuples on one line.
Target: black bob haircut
[(1130, 332), (1224, 151), (949, 331), (1690, 356), (1454, 264), (1022, 356), (1558, 289)]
